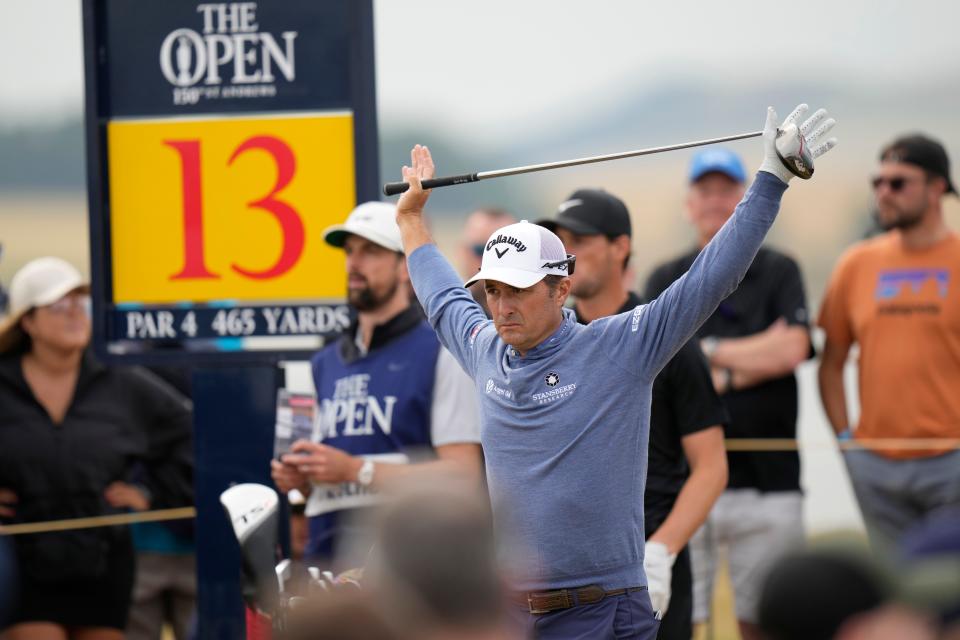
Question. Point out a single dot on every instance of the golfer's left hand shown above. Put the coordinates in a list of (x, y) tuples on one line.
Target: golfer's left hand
[(322, 463), (813, 131), (658, 565), (413, 200)]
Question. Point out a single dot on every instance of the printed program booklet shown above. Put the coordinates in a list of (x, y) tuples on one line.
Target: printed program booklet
[(295, 417)]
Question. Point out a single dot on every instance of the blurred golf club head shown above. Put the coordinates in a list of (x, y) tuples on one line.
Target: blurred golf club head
[(253, 513)]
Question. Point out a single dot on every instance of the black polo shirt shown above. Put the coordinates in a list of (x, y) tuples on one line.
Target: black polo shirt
[(684, 402), (771, 289)]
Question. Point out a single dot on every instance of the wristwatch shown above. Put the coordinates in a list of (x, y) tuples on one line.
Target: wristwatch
[(365, 474)]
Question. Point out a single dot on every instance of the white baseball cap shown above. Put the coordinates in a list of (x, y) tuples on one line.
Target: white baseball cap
[(38, 283), (521, 255), (375, 221)]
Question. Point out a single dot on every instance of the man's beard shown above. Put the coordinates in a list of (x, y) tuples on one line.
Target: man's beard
[(366, 299), (902, 219)]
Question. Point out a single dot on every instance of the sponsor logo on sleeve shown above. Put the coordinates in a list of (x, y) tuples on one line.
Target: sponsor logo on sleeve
[(492, 388), (474, 332), (635, 324)]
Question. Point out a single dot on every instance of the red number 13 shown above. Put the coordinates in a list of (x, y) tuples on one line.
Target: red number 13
[(291, 225)]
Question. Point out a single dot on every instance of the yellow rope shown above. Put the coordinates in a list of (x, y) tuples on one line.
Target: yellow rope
[(731, 444), (871, 444), (98, 521)]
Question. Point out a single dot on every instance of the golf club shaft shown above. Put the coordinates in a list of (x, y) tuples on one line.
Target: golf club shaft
[(393, 188)]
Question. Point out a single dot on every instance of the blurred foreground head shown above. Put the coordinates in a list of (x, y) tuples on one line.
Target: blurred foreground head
[(339, 615), (812, 594), (434, 566), (430, 576)]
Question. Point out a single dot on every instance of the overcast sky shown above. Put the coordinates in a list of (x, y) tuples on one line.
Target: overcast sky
[(492, 64)]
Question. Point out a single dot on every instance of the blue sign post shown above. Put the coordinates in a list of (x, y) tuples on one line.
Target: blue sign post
[(221, 139)]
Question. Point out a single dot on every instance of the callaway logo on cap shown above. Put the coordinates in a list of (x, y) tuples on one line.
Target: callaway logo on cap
[(521, 255)]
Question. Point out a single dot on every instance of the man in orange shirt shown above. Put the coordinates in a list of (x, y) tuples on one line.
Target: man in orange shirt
[(897, 297)]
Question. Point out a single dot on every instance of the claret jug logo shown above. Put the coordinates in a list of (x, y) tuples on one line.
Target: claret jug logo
[(230, 57)]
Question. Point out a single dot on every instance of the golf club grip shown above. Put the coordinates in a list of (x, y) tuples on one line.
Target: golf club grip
[(393, 188)]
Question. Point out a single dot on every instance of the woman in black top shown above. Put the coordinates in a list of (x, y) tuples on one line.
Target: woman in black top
[(71, 431)]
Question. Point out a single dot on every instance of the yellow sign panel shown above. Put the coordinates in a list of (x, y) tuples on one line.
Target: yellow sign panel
[(230, 208)]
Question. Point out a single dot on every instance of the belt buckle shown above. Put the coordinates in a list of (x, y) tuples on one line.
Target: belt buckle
[(564, 594), (531, 608)]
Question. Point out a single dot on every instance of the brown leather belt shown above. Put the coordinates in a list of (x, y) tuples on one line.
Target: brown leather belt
[(546, 601)]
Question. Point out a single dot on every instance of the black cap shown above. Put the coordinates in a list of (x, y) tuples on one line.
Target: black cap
[(591, 212), (922, 151)]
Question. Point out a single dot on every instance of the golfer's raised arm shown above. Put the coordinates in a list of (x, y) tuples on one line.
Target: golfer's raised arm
[(670, 320), (450, 308)]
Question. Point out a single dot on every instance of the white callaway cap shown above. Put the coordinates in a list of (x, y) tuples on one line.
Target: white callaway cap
[(375, 221), (521, 255)]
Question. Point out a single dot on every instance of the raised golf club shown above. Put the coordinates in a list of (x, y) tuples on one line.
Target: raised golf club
[(791, 147)]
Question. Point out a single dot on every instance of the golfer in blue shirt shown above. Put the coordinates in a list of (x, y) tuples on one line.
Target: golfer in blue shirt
[(564, 407)]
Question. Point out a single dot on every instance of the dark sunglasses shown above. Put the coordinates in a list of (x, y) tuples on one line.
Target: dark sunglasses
[(895, 184)]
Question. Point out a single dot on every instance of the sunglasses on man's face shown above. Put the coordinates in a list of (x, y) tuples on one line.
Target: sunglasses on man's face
[(568, 263), (896, 184)]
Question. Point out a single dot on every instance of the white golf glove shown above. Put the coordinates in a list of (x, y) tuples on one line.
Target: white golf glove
[(811, 133), (658, 565)]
